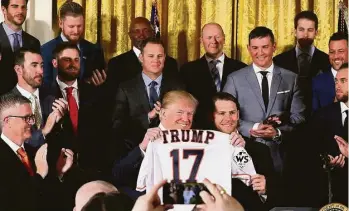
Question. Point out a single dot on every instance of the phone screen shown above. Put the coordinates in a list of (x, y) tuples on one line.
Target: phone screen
[(183, 193)]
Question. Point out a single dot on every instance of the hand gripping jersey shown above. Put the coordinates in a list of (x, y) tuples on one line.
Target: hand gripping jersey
[(184, 156)]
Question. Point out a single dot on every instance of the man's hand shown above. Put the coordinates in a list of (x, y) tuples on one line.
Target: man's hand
[(64, 162), (59, 107), (97, 78), (258, 183), (237, 140), (220, 201), (153, 113), (151, 135), (151, 200), (337, 161), (343, 145), (264, 131), (41, 162)]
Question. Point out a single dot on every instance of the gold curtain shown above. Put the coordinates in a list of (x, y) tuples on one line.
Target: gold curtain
[(181, 22)]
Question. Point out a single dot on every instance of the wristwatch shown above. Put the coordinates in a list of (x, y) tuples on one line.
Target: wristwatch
[(277, 136)]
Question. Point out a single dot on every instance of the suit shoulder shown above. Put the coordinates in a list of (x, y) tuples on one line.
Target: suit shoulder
[(120, 57), (31, 37), (321, 53), (284, 55), (49, 45), (286, 72), (129, 83), (240, 72), (236, 63), (191, 66)]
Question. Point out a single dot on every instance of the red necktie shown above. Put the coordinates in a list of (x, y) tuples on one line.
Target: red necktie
[(25, 160), (73, 109)]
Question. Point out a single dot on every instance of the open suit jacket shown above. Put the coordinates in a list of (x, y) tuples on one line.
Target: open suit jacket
[(199, 82), (91, 58), (323, 89), (8, 77), (285, 100)]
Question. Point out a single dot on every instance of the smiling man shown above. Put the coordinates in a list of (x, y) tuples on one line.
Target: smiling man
[(264, 89), (207, 75), (12, 37)]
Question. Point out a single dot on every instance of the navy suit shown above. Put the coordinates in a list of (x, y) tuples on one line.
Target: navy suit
[(323, 88), (91, 58), (8, 77)]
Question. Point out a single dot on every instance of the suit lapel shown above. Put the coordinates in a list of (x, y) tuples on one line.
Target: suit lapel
[(294, 60), (5, 42), (225, 72), (206, 74), (133, 62), (142, 92), (275, 83), (253, 81)]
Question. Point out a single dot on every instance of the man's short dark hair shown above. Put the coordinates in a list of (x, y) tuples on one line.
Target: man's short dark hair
[(10, 100), (20, 54), (225, 97), (63, 46), (306, 15), (151, 40), (70, 8), (344, 66), (108, 202), (261, 32), (5, 3), (338, 36)]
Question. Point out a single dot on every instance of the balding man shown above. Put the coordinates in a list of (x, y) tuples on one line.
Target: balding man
[(207, 75), (127, 65), (89, 189)]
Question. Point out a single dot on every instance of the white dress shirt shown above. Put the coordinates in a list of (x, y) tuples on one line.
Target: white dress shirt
[(28, 95), (334, 72), (62, 87), (343, 109), (136, 51), (219, 64), (11, 144), (257, 71)]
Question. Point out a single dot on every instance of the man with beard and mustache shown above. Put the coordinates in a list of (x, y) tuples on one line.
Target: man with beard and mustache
[(71, 23), (12, 37), (304, 59), (329, 126), (28, 67), (127, 65), (323, 86)]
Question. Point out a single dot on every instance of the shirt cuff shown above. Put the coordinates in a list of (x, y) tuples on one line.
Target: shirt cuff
[(143, 152), (255, 126), (263, 197)]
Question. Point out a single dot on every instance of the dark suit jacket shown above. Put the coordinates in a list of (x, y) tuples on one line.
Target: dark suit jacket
[(8, 76), (198, 81), (16, 183), (91, 58), (325, 124), (319, 64), (324, 90), (130, 116), (127, 66)]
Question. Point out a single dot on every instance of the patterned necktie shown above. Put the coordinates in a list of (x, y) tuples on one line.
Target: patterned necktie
[(38, 118), (304, 64), (73, 109), (16, 44), (25, 160), (153, 95), (265, 89), (215, 74)]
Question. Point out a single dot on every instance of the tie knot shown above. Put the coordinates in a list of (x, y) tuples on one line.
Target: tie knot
[(264, 73), (214, 62), (153, 84), (69, 90), (21, 152), (304, 55)]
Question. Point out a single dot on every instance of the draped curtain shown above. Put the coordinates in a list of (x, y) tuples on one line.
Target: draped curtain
[(107, 22)]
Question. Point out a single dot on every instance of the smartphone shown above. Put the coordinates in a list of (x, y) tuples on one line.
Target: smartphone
[(183, 193)]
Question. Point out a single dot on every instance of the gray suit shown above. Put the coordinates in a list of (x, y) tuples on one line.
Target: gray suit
[(285, 99)]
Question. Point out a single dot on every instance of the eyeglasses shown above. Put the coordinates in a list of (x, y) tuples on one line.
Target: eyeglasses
[(30, 119)]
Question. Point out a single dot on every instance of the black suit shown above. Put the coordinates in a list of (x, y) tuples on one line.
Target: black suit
[(127, 66), (19, 191), (319, 64), (199, 82), (8, 76)]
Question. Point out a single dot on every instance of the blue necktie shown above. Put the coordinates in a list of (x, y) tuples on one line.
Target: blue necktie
[(215, 74), (153, 95), (16, 44)]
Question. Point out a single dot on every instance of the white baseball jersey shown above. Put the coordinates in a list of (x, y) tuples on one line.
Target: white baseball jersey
[(191, 156)]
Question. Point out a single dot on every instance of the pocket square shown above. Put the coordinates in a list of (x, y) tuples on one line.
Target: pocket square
[(283, 92)]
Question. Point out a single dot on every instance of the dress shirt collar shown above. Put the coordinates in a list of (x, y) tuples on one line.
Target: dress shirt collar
[(311, 51), (257, 69), (9, 31), (334, 72), (162, 127), (343, 107), (65, 39), (220, 59), (27, 94), (147, 80), (136, 51), (10, 143), (63, 85)]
